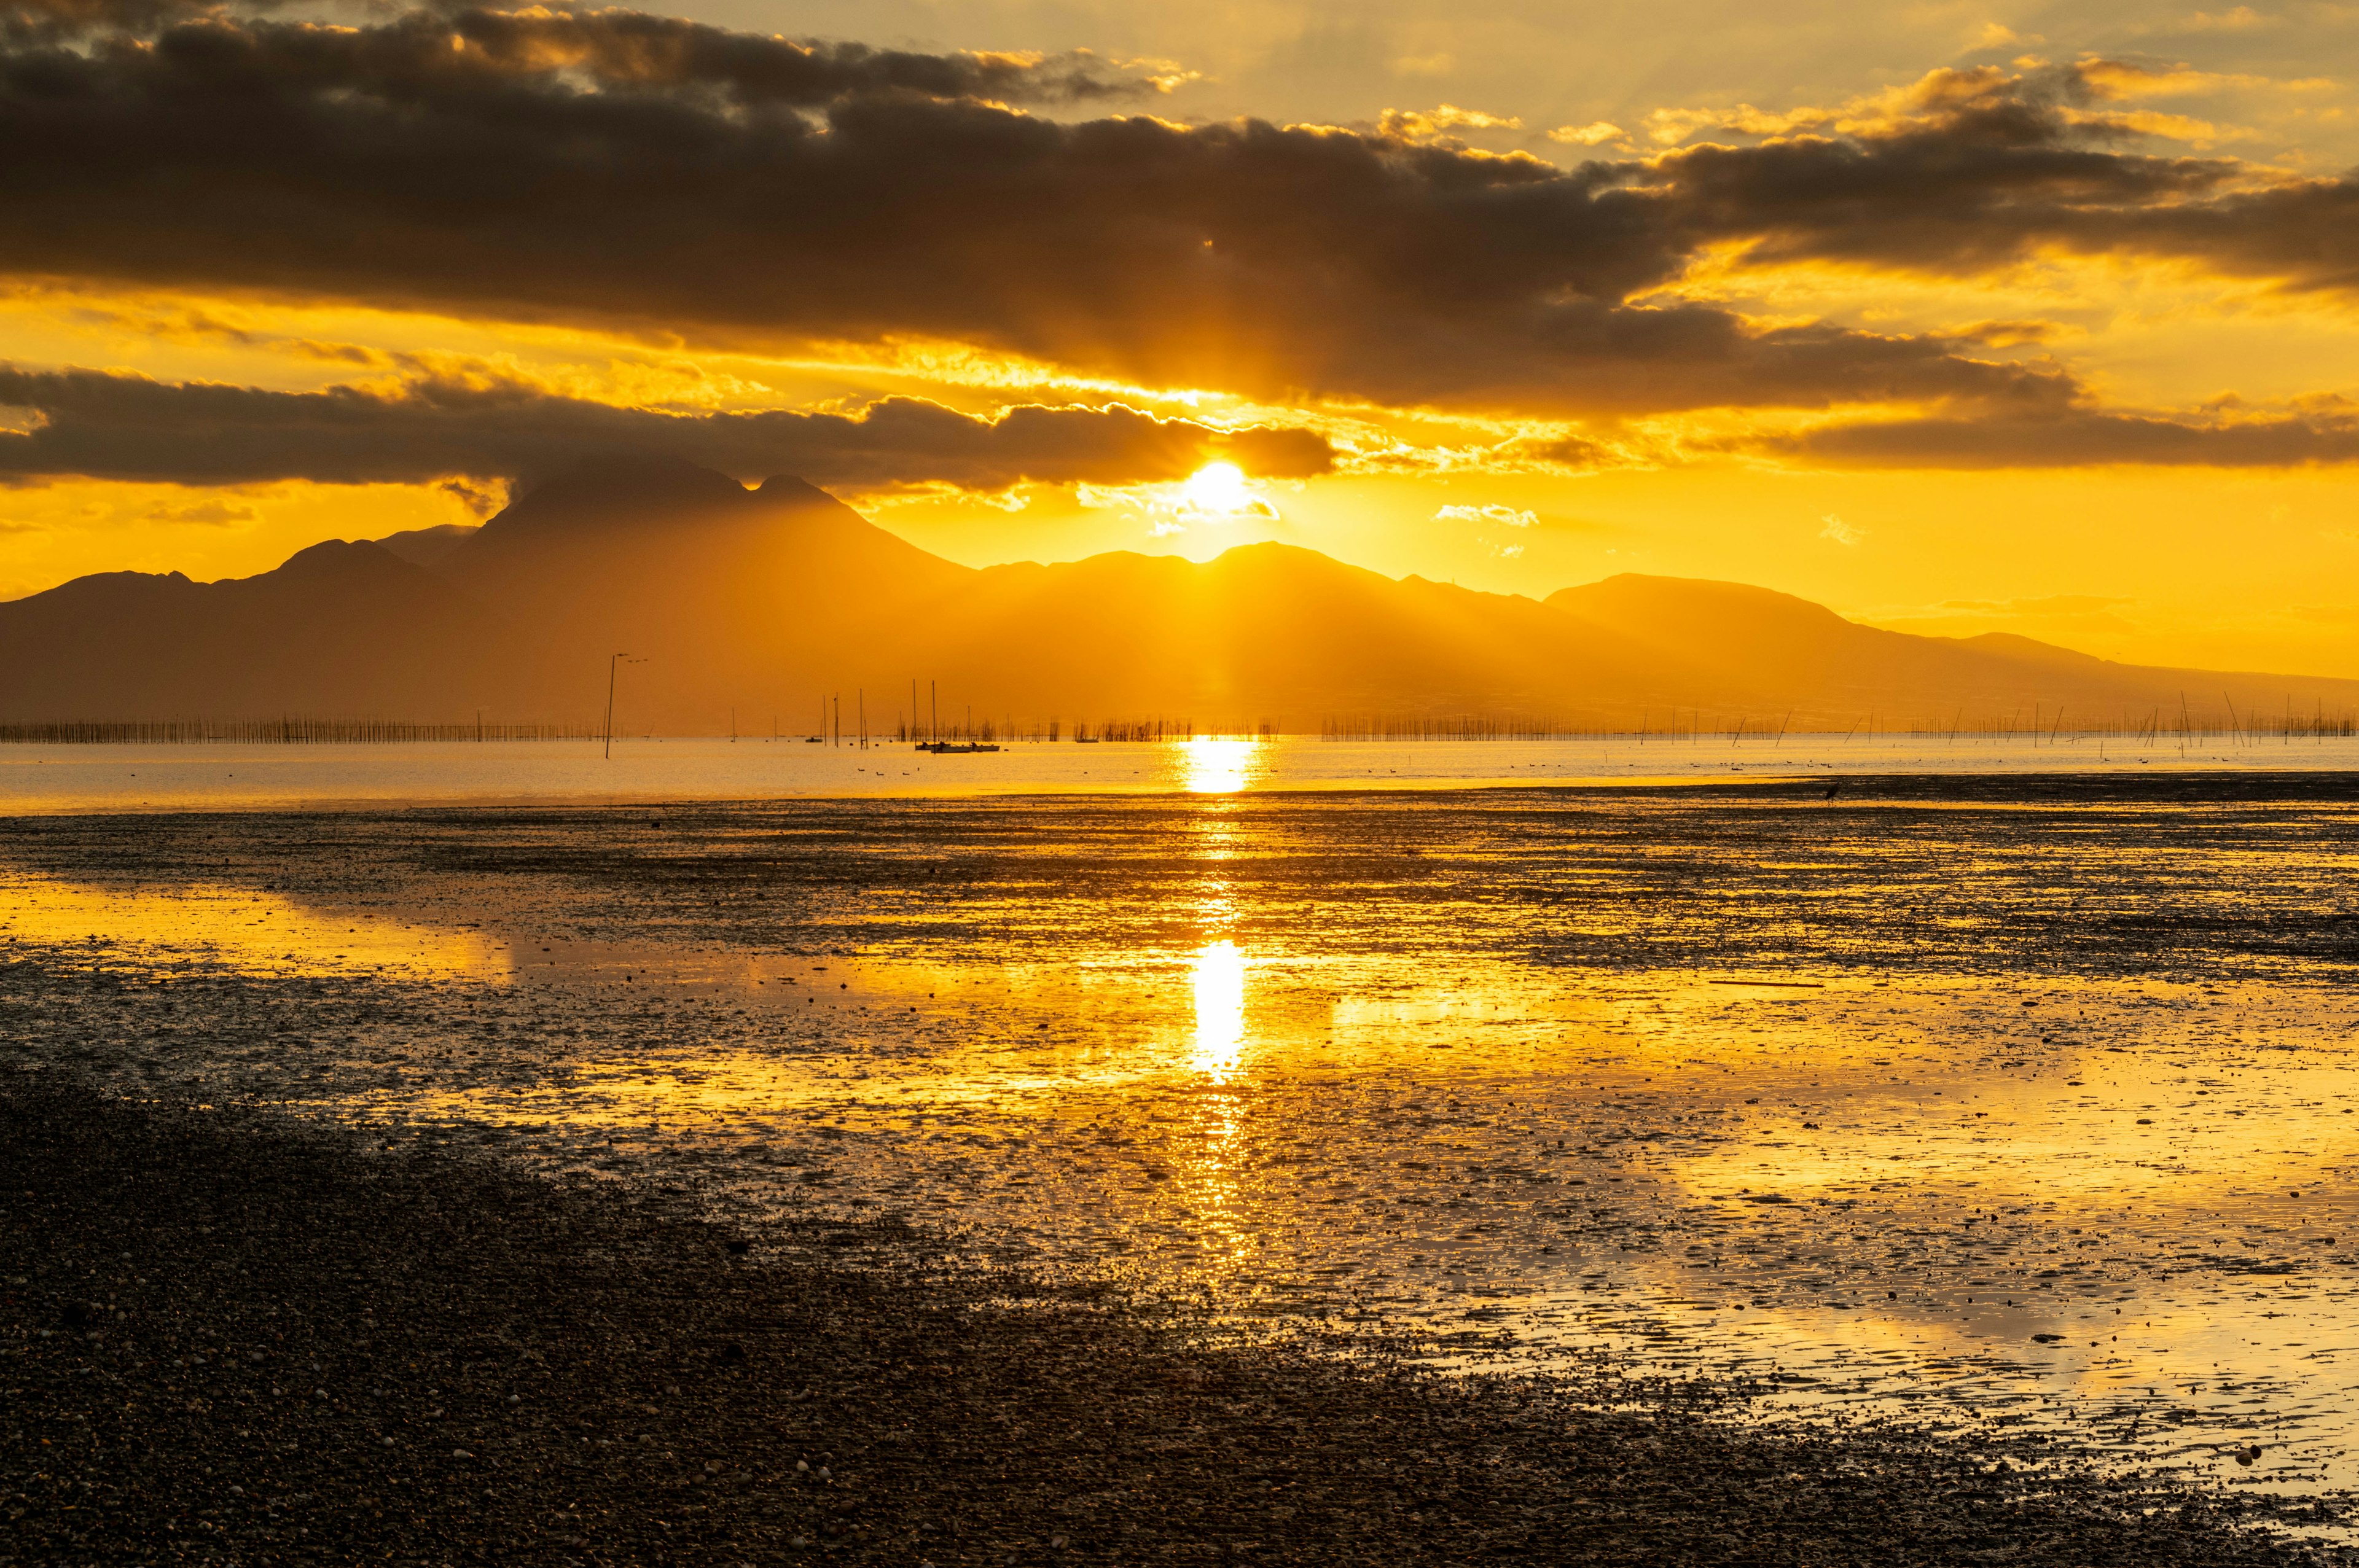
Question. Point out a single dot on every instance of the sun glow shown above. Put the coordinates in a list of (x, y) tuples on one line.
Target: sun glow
[(1216, 766), (1217, 487)]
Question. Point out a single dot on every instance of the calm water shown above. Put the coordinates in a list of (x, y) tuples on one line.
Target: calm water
[(134, 778), (2021, 1107)]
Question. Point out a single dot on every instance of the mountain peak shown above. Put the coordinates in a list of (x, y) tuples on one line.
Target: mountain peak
[(618, 489), (794, 490)]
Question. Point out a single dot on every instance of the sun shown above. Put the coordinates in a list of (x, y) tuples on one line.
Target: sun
[(1217, 487)]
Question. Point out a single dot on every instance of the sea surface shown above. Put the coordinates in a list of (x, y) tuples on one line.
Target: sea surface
[(2014, 1102), (201, 778)]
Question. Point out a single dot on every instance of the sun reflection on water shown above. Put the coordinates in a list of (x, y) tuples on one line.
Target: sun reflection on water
[(1216, 766), (1220, 978)]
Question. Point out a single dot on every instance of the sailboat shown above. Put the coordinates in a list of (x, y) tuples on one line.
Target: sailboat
[(938, 746)]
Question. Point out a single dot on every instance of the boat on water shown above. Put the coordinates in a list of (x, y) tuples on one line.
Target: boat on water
[(955, 748)]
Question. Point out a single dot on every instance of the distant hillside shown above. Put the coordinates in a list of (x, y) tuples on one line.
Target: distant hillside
[(762, 603), (1771, 651)]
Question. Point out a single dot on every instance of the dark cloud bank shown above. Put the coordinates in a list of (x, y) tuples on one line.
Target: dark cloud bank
[(2085, 438), (615, 169), (127, 428)]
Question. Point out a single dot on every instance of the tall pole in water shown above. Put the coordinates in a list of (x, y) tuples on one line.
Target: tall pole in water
[(610, 665), (913, 708), (860, 699), (839, 718), (934, 701)]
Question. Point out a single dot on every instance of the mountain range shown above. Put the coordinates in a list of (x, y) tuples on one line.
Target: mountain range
[(751, 607)]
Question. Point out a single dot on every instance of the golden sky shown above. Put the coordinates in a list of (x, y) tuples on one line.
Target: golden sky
[(1956, 318)]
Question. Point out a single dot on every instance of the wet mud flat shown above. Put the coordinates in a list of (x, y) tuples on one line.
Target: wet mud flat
[(2014, 1112), (230, 1335)]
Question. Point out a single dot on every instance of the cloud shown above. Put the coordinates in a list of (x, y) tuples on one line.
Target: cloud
[(1969, 172), (486, 427), (1436, 125), (1506, 516), (50, 20), (2327, 432), (621, 170), (477, 496), (610, 47), (208, 514), (1841, 532), (1587, 135)]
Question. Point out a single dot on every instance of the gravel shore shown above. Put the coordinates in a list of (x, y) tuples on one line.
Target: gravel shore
[(228, 1336)]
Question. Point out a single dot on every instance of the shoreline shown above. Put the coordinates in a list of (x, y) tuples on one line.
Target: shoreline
[(2158, 784), (430, 1356), (709, 775)]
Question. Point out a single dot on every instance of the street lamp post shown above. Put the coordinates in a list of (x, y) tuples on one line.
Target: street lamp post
[(611, 664)]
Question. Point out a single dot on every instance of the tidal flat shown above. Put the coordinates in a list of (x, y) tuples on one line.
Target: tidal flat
[(2002, 1116)]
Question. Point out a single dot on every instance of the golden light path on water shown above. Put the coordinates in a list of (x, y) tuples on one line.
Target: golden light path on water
[(1311, 1064), (1219, 990)]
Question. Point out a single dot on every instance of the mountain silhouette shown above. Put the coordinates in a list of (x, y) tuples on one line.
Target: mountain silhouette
[(759, 605)]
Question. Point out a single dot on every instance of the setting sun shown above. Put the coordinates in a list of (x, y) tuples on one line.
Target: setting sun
[(1218, 487)]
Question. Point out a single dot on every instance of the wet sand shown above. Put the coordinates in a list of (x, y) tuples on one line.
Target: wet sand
[(233, 1338), (2006, 1112)]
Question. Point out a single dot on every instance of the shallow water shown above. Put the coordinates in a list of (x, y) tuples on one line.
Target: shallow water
[(202, 778), (2011, 1106)]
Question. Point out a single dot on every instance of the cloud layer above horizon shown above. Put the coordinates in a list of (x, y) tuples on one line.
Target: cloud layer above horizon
[(454, 246), (615, 171)]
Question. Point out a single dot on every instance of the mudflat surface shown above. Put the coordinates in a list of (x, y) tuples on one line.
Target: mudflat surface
[(233, 1338), (2016, 1113)]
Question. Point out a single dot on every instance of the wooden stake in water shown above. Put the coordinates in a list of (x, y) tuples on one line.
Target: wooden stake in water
[(611, 665)]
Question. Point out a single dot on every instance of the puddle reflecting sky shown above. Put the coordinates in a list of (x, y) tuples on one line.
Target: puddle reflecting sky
[(237, 929), (2000, 1110)]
